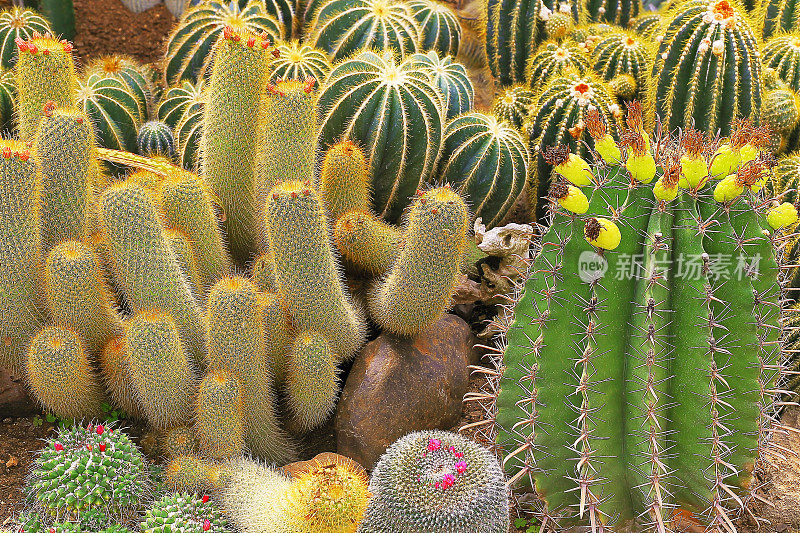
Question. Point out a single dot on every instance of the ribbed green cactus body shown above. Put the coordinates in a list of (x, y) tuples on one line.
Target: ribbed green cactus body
[(440, 30), (366, 243), (698, 51), (619, 54), (311, 380), (190, 46), (554, 59), (65, 149), (113, 364), (437, 481), (777, 16), (299, 62), (287, 138), (236, 345), (155, 139), (452, 80), (780, 111), (398, 122), (178, 99), (645, 25), (307, 272), (655, 372), (182, 109), (343, 28), (183, 513), (230, 134), (782, 54), (22, 306), (8, 100), (78, 297), (419, 287), (162, 374), (486, 161), (513, 104), (61, 376), (187, 204), (220, 416), (144, 265), (113, 109), (45, 72), (18, 23), (619, 12), (514, 31), (131, 73), (344, 180)]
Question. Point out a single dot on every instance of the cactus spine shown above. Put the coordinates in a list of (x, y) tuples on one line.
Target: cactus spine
[(366, 243), (419, 287), (220, 415), (229, 140), (45, 72), (344, 180), (688, 81), (61, 376), (311, 381), (307, 273)]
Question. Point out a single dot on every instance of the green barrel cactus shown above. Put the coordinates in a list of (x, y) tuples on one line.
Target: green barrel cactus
[(86, 469), (514, 30), (702, 45), (343, 28), (486, 161), (619, 12), (398, 122), (513, 104), (131, 73), (646, 25), (782, 54), (182, 108), (452, 80), (113, 109), (298, 61), (623, 394), (776, 17), (621, 54), (189, 48), (553, 59), (18, 23), (440, 30), (184, 513), (437, 481), (8, 100), (155, 139)]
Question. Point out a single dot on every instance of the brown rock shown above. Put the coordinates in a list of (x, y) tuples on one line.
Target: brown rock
[(14, 399), (398, 385)]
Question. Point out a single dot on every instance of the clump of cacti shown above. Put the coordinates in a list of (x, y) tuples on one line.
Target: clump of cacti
[(184, 513), (430, 479), (623, 394), (782, 55), (619, 55), (553, 59), (85, 469)]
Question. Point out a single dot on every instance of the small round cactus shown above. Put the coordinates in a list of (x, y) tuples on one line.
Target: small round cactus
[(645, 25), (299, 62), (437, 481), (513, 104), (440, 30), (553, 59), (155, 139), (18, 23), (782, 54), (184, 513), (622, 59), (452, 80), (87, 468)]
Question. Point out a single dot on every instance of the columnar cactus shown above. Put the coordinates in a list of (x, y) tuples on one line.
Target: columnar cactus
[(85, 469), (61, 376), (514, 31), (299, 62), (114, 111), (366, 243), (181, 247), (344, 27), (619, 12), (113, 363), (18, 23), (620, 54), (440, 30), (782, 55), (413, 120), (452, 80), (665, 371), (230, 134), (419, 287), (437, 481), (178, 441), (220, 415), (278, 333), (155, 139), (689, 73), (513, 104), (312, 384), (344, 180), (183, 513), (189, 47), (486, 162), (554, 59)]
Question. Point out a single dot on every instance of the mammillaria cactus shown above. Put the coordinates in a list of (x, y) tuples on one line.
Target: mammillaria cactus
[(18, 23), (688, 89), (553, 59), (344, 180), (619, 54), (619, 12), (721, 318), (452, 80), (440, 30), (178, 441), (299, 61), (189, 47), (484, 159), (366, 243), (345, 27), (437, 481), (83, 469), (312, 384), (220, 415), (514, 31), (114, 111), (184, 513), (414, 120), (187, 473), (513, 104), (155, 139)]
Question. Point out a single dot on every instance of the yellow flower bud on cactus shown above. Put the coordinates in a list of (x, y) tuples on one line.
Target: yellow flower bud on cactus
[(608, 150), (748, 152), (693, 171), (576, 170), (727, 189), (663, 191), (641, 167), (725, 160), (782, 216), (569, 197), (602, 233)]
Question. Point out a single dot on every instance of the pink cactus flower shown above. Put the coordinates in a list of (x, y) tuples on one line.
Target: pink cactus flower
[(461, 467), (448, 480), (434, 444)]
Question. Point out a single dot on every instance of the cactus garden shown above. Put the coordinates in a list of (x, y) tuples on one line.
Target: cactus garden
[(399, 266)]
